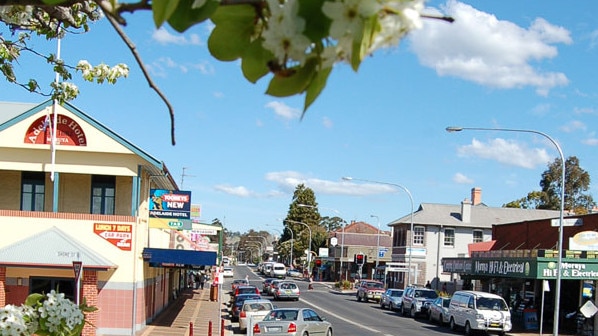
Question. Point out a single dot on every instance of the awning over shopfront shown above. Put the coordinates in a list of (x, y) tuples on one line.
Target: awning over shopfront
[(178, 258)]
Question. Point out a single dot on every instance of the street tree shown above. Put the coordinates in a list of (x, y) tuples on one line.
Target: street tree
[(577, 184), (295, 43), (332, 223)]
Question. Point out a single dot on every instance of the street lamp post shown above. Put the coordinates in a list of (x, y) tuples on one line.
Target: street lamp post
[(308, 247), (557, 291), (410, 246), (377, 243), (342, 239)]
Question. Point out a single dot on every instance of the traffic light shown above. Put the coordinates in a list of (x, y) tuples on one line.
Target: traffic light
[(360, 259), (318, 262)]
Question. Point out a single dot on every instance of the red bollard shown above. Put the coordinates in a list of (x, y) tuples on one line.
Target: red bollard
[(210, 328), (190, 328), (221, 327)]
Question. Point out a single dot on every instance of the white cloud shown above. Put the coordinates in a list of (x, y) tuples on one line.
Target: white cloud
[(506, 152), (481, 48), (288, 181), (284, 111), (462, 179), (590, 142), (573, 126), (163, 37), (160, 67), (242, 191), (327, 122)]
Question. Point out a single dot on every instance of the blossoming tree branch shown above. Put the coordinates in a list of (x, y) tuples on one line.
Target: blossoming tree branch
[(294, 42)]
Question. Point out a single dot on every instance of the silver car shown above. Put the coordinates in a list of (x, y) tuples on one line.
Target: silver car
[(438, 310), (392, 299), (287, 290), (253, 310), (292, 322)]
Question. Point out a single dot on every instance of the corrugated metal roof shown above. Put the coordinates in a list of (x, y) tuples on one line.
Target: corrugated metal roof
[(10, 110), (482, 216), (52, 248)]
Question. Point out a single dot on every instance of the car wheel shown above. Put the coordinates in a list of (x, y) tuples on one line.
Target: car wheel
[(452, 324), (413, 312), (391, 306), (305, 333), (329, 332), (430, 317), (468, 330), (382, 305), (358, 298), (365, 299)]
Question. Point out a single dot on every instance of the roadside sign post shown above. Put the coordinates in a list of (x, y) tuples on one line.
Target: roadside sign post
[(77, 266)]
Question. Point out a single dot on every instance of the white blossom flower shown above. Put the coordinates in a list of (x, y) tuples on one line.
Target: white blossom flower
[(283, 35), (348, 15)]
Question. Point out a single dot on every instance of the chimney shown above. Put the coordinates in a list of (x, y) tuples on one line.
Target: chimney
[(476, 195), (466, 211)]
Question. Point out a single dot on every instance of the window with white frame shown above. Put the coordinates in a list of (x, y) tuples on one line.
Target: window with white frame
[(449, 237), (478, 236), (418, 235)]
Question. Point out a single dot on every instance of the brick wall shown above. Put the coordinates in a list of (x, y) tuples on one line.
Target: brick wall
[(89, 290)]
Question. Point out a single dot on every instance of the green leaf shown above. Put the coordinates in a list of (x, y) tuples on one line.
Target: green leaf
[(227, 41), (284, 86), (162, 10), (238, 13), (362, 43), (315, 87), (317, 24), (255, 61), (33, 299), (184, 16), (233, 32)]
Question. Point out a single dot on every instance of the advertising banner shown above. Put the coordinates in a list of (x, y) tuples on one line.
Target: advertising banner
[(172, 205)]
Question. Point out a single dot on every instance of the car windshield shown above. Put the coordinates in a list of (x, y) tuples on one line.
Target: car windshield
[(484, 303), (396, 293), (281, 315), (374, 285), (257, 306), (446, 303), (428, 294)]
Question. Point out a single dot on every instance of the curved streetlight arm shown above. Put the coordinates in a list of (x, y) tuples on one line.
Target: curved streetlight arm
[(308, 247), (343, 234), (410, 246), (557, 292)]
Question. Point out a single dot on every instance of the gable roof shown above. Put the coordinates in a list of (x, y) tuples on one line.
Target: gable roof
[(52, 248), (482, 216), (362, 233), (13, 113)]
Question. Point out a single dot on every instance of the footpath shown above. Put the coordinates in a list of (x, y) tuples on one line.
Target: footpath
[(192, 314)]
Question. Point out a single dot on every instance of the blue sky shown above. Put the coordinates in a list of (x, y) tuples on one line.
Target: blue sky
[(507, 64)]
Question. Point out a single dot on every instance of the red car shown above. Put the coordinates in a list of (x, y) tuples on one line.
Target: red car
[(370, 290)]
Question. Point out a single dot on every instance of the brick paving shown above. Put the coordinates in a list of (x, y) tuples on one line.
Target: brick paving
[(192, 308)]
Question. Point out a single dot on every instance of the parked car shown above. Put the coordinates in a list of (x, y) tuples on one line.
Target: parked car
[(266, 285), (249, 289), (294, 273), (479, 311), (415, 299), (293, 321), (287, 290), (273, 285), (238, 282), (228, 272), (392, 298), (370, 290), (253, 310), (238, 303), (438, 310)]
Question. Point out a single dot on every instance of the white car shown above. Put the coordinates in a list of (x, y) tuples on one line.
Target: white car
[(254, 311), (228, 272)]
